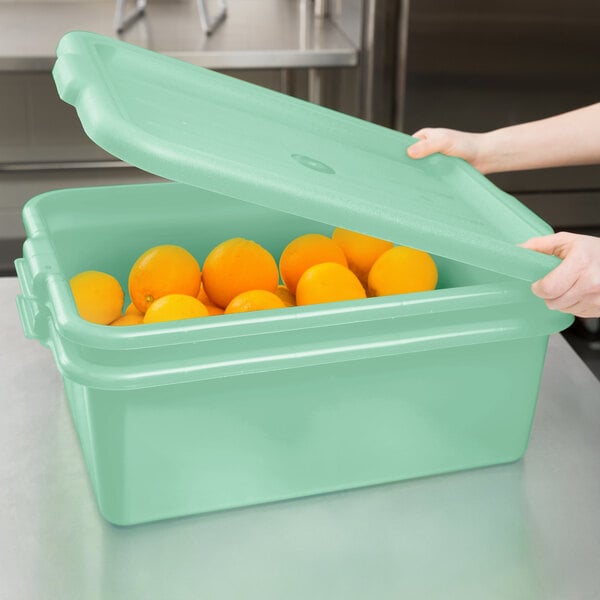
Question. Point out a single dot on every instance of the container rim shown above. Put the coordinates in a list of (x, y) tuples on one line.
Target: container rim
[(74, 328)]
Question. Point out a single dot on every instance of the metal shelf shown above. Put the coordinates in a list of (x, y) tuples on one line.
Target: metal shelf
[(256, 34)]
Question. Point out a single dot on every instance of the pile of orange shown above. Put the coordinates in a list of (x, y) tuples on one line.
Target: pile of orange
[(166, 282)]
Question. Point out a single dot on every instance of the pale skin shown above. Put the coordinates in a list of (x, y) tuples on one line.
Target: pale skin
[(568, 139)]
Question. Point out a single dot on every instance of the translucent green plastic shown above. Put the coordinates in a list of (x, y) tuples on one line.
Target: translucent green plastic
[(206, 129), (201, 415)]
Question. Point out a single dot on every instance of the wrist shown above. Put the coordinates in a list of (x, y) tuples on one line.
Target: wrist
[(491, 155)]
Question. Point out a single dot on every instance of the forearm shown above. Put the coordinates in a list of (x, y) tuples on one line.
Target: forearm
[(571, 138)]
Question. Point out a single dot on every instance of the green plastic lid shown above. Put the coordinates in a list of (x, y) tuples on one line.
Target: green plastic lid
[(206, 129)]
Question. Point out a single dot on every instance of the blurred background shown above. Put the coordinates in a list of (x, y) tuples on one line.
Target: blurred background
[(404, 64)]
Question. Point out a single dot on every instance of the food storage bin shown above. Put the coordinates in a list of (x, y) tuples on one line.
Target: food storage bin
[(206, 414)]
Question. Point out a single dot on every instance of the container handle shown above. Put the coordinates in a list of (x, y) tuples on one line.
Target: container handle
[(28, 313)]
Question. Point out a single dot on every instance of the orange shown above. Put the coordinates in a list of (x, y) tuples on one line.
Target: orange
[(304, 252), (235, 266), (328, 282), (254, 300), (160, 271), (361, 251), (285, 295), (402, 270), (202, 296), (174, 307), (132, 310), (213, 310), (129, 320), (98, 296)]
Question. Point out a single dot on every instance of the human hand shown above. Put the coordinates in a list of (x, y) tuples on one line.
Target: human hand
[(468, 146), (574, 286)]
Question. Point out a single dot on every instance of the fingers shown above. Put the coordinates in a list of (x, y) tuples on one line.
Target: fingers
[(431, 140), (587, 308), (557, 244), (574, 286), (425, 146), (446, 141), (560, 280), (556, 285), (421, 149), (422, 133), (558, 300)]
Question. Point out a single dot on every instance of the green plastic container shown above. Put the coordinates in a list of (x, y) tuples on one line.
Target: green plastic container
[(200, 415)]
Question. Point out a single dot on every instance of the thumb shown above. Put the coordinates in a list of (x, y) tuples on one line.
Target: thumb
[(557, 244), (430, 141), (421, 149)]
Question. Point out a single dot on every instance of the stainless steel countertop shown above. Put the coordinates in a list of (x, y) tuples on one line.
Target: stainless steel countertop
[(525, 531), (255, 34)]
